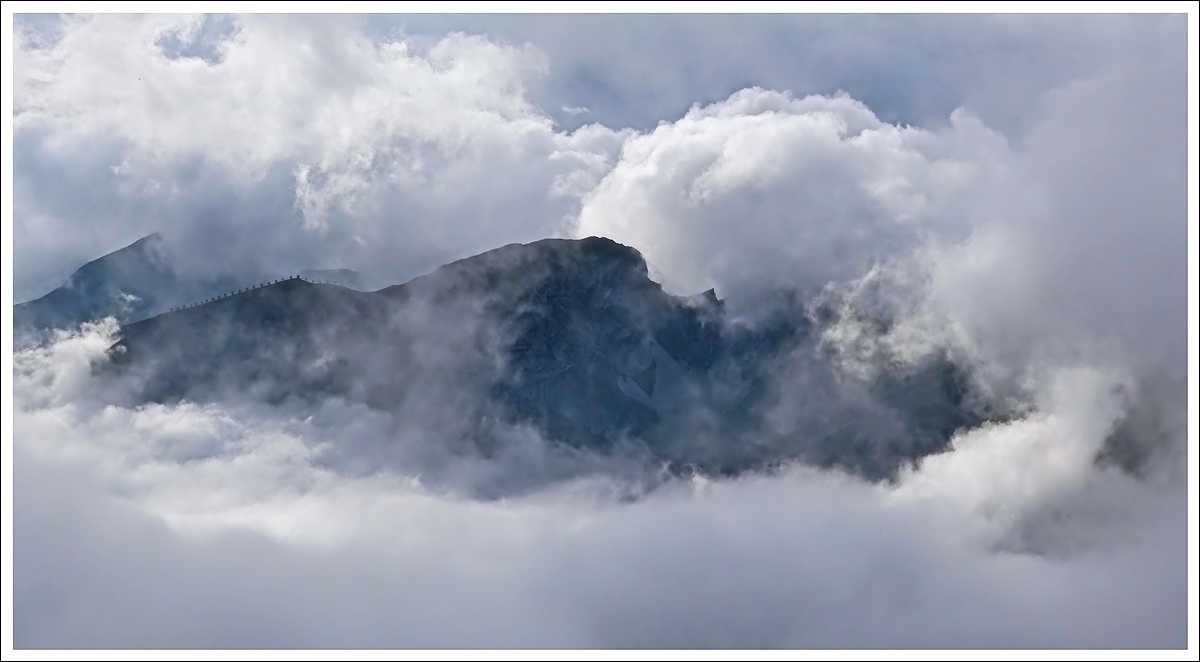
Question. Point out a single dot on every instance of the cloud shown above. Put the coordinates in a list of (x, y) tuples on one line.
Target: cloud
[(1067, 245), (909, 69), (380, 155), (764, 191), (225, 519), (799, 561), (394, 144)]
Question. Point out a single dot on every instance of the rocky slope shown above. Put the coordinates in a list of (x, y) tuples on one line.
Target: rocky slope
[(570, 338)]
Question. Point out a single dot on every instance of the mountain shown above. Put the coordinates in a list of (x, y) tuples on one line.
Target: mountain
[(568, 338), (131, 283)]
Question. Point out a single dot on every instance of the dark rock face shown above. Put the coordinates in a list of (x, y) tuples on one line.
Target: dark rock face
[(569, 337)]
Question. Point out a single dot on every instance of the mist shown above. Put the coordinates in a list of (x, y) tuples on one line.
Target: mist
[(208, 526)]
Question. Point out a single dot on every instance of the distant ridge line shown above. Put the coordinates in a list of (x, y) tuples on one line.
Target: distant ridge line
[(244, 289)]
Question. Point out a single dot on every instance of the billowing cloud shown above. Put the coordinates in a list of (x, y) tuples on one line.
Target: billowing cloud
[(213, 526), (1067, 243), (763, 191), (304, 144)]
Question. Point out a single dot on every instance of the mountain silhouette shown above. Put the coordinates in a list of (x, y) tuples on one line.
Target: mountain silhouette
[(570, 338), (129, 284)]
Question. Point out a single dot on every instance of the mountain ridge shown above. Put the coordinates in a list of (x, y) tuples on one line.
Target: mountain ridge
[(123, 284), (568, 337)]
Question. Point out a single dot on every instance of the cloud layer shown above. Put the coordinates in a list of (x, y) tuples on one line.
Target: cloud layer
[(209, 526)]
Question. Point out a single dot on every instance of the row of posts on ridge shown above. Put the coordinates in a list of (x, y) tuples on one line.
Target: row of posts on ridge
[(244, 289)]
